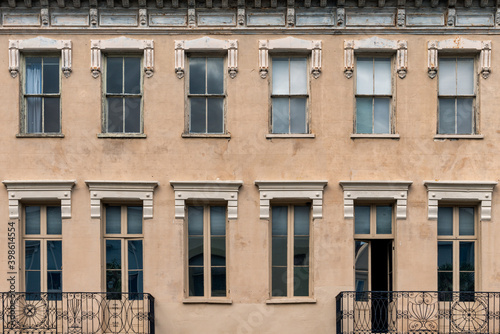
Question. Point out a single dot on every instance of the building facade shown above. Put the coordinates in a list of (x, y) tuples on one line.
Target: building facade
[(249, 166)]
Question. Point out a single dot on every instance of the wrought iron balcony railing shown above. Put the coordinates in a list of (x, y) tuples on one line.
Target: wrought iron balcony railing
[(418, 312), (77, 313)]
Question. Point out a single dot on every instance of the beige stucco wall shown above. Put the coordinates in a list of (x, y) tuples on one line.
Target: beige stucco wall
[(248, 156)]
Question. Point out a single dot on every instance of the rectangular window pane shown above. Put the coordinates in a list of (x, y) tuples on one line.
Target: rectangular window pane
[(382, 74), (34, 114), (446, 116), (197, 116), (467, 281), (114, 282), (445, 255), (135, 255), (465, 76), (361, 256), (113, 254), (464, 116), (197, 75), (280, 78), (301, 281), (364, 76), (32, 220), (195, 220), (218, 282), (384, 219), (215, 75), (447, 76), (54, 255), (301, 219), (301, 251), (280, 218), (32, 255), (113, 220), (218, 251), (445, 221), (279, 250), (32, 281), (280, 116), (381, 115), (135, 283), (134, 219), (54, 220), (52, 115), (298, 115), (33, 75), (466, 221), (132, 115), (363, 115), (467, 256), (195, 250), (132, 75), (298, 76), (215, 115), (115, 114), (196, 281), (361, 220), (279, 282), (114, 75), (54, 282), (217, 220), (50, 75), (445, 281)]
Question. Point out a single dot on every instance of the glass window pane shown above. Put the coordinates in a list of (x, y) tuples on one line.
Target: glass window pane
[(445, 281), (50, 75), (32, 220), (114, 75), (114, 282), (218, 251), (33, 75), (445, 221), (466, 221), (465, 76), (446, 116), (54, 281), (382, 74), (215, 115), (218, 282), (384, 219), (298, 115), (32, 255), (195, 220), (363, 115), (115, 114), (195, 250), (301, 219), (134, 219), (197, 119), (301, 281), (135, 255), (32, 281), (447, 76), (52, 115), (445, 255), (301, 251), (361, 256), (364, 76), (279, 251), (464, 116), (361, 220), (280, 115), (196, 281), (34, 114), (298, 76), (467, 256), (54, 220), (281, 79), (197, 75), (135, 283), (133, 115), (215, 75), (113, 220), (54, 255), (217, 220), (467, 281), (279, 220), (113, 254), (132, 75), (279, 282), (381, 115)]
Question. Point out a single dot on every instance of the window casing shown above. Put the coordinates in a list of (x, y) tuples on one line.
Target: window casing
[(207, 251), (457, 95), (291, 251), (289, 95), (457, 248), (41, 101), (206, 95), (374, 95), (123, 92), (123, 255), (373, 221), (42, 248)]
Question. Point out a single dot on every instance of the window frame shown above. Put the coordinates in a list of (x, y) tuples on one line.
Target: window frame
[(373, 220)]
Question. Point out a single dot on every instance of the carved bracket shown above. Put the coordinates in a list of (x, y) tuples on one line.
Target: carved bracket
[(289, 44), (121, 44), (40, 44), (461, 44), (376, 44), (206, 44)]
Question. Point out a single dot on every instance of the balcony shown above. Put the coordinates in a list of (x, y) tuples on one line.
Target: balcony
[(76, 313), (418, 312)]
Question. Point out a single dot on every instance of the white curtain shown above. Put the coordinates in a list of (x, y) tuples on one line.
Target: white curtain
[(34, 86)]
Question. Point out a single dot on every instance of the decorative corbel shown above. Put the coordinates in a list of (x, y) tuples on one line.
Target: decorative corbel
[(316, 59), (340, 17), (402, 59), (451, 17), (290, 17), (93, 17), (143, 17), (348, 58), (241, 16), (149, 59), (263, 58), (432, 59), (232, 58), (95, 59), (13, 58), (44, 12), (191, 17), (179, 59), (66, 59), (401, 17), (485, 61)]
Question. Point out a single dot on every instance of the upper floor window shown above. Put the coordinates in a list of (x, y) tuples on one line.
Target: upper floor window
[(289, 95), (457, 96)]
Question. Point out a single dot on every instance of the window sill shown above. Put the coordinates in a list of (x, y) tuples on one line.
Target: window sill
[(290, 135), (206, 135), (459, 137), (375, 136), (201, 300), (294, 300), (121, 135), (40, 135)]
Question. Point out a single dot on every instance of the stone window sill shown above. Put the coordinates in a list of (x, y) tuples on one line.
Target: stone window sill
[(206, 135), (375, 136), (201, 300), (459, 137), (290, 135), (40, 135), (293, 300), (122, 135)]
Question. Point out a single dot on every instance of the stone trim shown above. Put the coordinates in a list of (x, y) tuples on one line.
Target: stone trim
[(459, 44), (207, 44), (121, 44), (311, 190), (376, 44), (375, 190), (121, 190), (289, 44), (39, 44), (456, 191), (206, 190), (39, 191)]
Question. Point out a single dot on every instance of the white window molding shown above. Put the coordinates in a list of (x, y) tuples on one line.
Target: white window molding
[(39, 44), (376, 44), (121, 44), (289, 44), (459, 44), (208, 191), (121, 191), (376, 190), (207, 44), (291, 190), (456, 191), (19, 191)]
